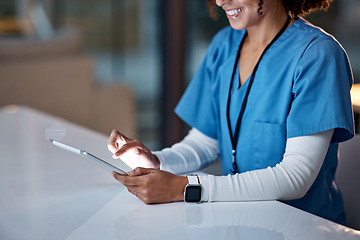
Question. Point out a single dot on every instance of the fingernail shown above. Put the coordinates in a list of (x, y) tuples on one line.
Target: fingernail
[(130, 173)]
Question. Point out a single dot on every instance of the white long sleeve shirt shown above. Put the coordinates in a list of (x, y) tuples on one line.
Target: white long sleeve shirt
[(290, 179)]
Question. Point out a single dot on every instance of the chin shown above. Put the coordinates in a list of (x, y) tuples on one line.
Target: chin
[(237, 26)]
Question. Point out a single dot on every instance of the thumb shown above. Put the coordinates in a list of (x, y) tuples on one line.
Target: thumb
[(140, 171), (124, 139)]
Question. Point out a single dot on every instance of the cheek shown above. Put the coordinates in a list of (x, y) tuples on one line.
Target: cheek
[(246, 20), (252, 5)]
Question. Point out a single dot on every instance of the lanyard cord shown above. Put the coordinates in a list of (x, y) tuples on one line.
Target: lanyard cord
[(234, 138)]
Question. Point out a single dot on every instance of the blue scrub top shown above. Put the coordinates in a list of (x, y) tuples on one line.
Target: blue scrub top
[(302, 86)]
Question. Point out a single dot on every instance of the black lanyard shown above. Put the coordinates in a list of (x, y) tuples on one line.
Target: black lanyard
[(235, 137)]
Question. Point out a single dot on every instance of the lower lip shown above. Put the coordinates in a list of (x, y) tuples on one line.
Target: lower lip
[(233, 16)]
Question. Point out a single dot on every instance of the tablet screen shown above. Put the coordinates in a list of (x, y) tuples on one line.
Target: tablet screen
[(87, 155)]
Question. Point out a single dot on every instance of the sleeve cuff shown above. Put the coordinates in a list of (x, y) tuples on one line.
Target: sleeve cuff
[(204, 181)]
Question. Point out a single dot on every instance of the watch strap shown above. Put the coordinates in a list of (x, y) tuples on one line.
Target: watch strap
[(193, 179)]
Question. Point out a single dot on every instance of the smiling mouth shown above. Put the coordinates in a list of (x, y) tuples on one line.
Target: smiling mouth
[(233, 12)]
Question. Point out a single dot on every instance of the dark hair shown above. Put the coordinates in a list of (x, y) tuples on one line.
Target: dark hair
[(295, 8)]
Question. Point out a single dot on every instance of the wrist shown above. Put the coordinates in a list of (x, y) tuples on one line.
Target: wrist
[(182, 182)]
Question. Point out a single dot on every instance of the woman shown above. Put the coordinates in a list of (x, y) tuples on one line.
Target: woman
[(272, 99)]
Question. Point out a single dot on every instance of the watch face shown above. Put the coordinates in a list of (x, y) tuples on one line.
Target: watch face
[(193, 193)]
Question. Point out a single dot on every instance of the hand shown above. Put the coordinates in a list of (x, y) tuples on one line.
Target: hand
[(153, 185), (132, 152)]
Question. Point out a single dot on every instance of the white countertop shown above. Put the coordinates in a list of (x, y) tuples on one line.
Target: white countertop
[(49, 193)]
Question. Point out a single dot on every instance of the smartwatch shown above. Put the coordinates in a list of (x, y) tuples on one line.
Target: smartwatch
[(193, 189)]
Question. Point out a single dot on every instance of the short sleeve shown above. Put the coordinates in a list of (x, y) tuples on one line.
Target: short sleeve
[(321, 92), (197, 105)]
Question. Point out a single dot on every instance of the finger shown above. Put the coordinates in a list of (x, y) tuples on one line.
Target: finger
[(142, 150), (124, 139), (112, 142), (140, 171), (116, 140), (127, 181), (134, 191), (130, 146)]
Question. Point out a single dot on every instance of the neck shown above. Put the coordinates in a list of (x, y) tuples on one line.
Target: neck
[(265, 30)]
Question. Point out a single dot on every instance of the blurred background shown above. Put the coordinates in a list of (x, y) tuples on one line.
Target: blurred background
[(122, 64)]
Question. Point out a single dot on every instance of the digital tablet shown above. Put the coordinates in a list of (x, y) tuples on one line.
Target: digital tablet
[(87, 155)]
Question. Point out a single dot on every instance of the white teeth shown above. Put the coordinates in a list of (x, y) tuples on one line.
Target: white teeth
[(234, 11)]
